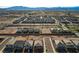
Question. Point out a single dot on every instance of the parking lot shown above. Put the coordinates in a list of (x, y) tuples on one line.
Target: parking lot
[(35, 19), (40, 44), (68, 20), (40, 34)]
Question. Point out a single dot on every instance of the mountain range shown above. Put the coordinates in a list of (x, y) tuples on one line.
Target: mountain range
[(41, 8)]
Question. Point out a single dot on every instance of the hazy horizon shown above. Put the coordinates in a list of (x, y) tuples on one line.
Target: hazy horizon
[(34, 7), (39, 3)]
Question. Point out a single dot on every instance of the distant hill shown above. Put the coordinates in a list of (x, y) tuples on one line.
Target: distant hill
[(41, 8)]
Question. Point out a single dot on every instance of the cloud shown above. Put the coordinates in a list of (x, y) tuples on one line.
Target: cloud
[(39, 3)]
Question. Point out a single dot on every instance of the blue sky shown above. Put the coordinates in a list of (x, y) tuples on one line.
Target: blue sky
[(39, 3)]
